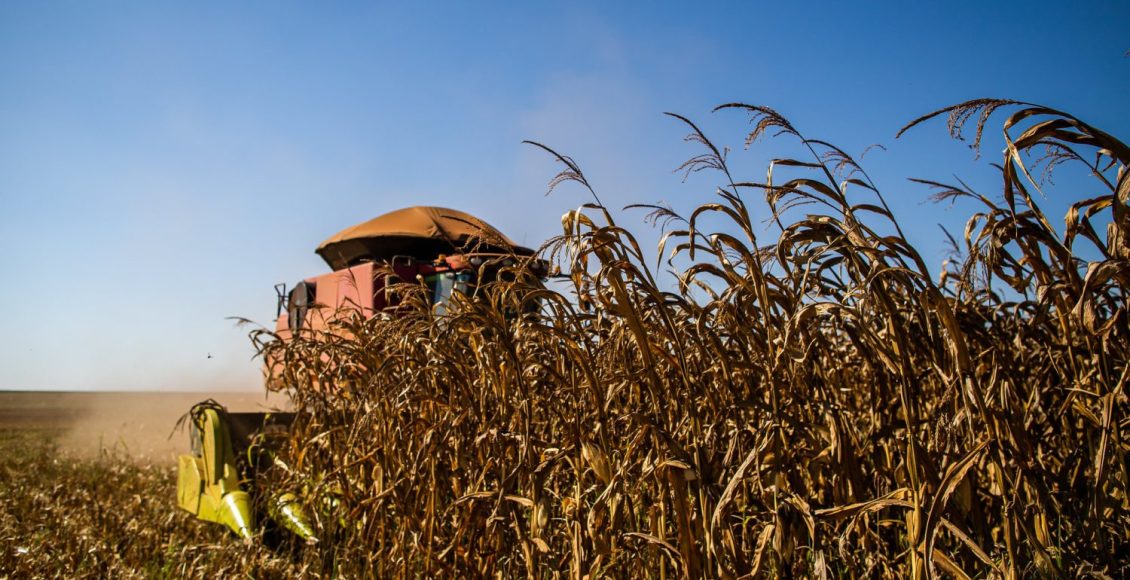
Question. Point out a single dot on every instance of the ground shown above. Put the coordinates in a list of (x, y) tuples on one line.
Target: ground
[(134, 424), (87, 483)]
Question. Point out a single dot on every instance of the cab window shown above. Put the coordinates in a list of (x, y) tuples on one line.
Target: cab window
[(442, 286)]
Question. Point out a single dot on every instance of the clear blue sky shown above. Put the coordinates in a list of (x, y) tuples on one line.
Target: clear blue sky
[(200, 151)]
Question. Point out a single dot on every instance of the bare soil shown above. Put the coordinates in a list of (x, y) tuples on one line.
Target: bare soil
[(137, 424)]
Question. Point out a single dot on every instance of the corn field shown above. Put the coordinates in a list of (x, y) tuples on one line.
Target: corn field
[(816, 405), (63, 516)]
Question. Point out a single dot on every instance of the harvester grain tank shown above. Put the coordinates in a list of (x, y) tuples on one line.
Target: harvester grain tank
[(449, 251)]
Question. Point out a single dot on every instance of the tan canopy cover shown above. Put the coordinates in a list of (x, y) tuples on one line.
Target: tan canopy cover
[(421, 232)]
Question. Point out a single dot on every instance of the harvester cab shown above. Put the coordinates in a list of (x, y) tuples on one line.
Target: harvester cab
[(447, 250)]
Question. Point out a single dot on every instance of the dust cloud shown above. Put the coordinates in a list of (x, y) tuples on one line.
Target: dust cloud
[(136, 425)]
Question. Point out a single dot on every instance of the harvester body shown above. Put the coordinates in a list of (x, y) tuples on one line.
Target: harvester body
[(447, 251)]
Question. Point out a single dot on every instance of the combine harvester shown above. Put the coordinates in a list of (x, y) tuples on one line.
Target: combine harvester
[(447, 250)]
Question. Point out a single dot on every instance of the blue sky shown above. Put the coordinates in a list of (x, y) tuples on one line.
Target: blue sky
[(162, 165)]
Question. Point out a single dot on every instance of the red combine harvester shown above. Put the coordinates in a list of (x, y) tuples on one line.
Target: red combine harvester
[(448, 250)]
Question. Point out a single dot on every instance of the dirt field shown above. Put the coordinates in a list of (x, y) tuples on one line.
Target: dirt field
[(137, 423), (69, 511)]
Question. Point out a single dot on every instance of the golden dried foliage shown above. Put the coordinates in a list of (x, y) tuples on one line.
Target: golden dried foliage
[(819, 406), (816, 406)]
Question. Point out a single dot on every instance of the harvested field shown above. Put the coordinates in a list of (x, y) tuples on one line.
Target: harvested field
[(87, 484), (137, 425)]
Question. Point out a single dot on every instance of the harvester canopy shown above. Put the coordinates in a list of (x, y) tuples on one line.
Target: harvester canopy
[(421, 232)]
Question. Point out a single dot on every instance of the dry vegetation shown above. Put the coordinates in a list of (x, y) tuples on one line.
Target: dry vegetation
[(814, 405), (64, 516)]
